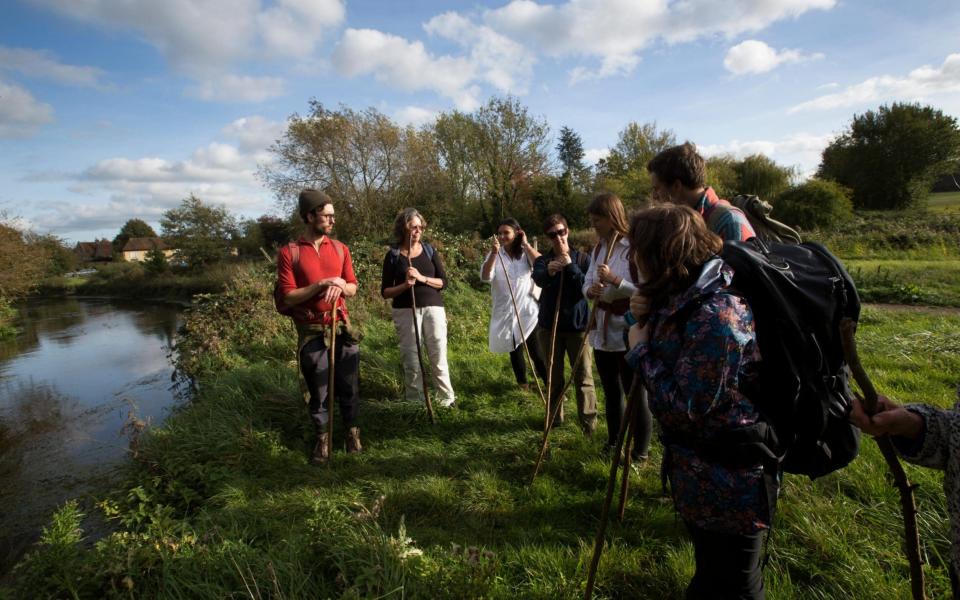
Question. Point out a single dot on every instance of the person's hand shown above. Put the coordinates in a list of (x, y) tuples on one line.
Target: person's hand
[(640, 307), (564, 243), (890, 419), (415, 275), (605, 274), (331, 294), (335, 282), (554, 267), (594, 291), (495, 244)]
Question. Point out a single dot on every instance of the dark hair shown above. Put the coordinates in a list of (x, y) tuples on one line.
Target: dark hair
[(515, 249), (552, 220), (608, 205), (680, 163), (669, 243), (400, 223)]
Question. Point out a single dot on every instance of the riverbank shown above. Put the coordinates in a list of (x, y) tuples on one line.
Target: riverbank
[(221, 500)]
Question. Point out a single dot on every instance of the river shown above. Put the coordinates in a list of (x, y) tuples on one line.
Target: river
[(79, 370)]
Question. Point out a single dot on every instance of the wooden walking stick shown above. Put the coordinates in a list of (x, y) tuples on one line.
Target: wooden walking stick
[(331, 362), (611, 483), (908, 504), (627, 458), (523, 334), (553, 347), (416, 334), (576, 363)]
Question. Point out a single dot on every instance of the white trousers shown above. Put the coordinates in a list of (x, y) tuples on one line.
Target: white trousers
[(432, 321)]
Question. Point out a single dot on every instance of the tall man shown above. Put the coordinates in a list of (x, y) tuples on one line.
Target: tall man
[(572, 321), (314, 274), (679, 175)]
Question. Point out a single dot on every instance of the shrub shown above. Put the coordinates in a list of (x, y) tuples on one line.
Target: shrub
[(815, 203)]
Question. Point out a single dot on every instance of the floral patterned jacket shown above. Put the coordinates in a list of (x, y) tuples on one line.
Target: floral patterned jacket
[(702, 348)]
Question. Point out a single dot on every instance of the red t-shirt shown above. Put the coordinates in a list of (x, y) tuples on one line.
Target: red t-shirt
[(314, 264)]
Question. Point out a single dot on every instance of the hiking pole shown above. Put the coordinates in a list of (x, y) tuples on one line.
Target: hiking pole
[(611, 483), (523, 334), (416, 335), (908, 503), (627, 453), (553, 347), (331, 362), (573, 370)]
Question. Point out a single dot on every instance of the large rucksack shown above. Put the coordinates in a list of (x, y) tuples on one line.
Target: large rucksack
[(798, 294)]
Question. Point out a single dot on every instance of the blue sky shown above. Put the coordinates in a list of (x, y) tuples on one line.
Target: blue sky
[(114, 109)]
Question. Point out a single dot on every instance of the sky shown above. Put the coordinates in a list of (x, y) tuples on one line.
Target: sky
[(120, 109)]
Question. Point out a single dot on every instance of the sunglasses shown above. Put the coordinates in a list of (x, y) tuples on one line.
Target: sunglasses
[(557, 233)]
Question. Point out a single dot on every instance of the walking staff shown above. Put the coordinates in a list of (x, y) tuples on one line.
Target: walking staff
[(553, 347), (555, 410), (523, 334), (416, 333), (331, 370)]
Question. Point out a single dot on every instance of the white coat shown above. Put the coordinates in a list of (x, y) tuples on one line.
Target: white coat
[(505, 335)]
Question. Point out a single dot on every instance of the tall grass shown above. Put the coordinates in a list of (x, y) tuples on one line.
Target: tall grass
[(222, 502)]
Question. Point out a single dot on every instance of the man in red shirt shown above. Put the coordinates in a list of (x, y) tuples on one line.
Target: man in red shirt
[(314, 275)]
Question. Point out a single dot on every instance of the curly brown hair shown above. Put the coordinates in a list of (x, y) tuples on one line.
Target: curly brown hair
[(669, 243)]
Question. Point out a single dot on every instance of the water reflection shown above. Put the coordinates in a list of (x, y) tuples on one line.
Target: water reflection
[(67, 385)]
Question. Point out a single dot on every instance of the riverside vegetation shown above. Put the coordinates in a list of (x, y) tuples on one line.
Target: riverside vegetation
[(221, 502)]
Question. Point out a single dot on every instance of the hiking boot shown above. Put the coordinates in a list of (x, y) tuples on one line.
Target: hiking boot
[(321, 449), (353, 441), (524, 387)]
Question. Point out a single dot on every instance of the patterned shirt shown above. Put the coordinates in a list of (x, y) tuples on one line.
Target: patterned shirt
[(702, 347), (732, 225)]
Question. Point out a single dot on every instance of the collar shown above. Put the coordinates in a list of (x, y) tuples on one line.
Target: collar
[(707, 201)]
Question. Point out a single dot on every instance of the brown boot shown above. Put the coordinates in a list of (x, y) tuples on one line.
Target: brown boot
[(321, 449), (353, 441)]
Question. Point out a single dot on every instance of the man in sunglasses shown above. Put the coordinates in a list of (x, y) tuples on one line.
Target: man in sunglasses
[(314, 275), (560, 273)]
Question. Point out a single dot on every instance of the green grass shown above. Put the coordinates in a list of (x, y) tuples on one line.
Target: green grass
[(930, 282), (222, 502), (944, 202)]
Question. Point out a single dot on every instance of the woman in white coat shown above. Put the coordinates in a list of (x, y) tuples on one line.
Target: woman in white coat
[(511, 251)]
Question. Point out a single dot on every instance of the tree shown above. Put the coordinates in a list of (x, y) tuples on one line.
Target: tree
[(21, 265), (624, 171), (889, 158), (200, 233), (356, 157), (59, 259), (133, 228), (814, 203), (570, 151), (156, 261), (757, 174)]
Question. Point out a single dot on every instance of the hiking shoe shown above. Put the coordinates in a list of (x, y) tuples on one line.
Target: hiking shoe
[(353, 441), (321, 449), (524, 387)]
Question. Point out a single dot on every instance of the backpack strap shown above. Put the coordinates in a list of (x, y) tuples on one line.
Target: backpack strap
[(718, 210)]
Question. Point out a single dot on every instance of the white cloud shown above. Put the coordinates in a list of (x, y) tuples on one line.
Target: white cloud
[(43, 64), (615, 31), (21, 115), (754, 56), (239, 88), (920, 83), (206, 40), (120, 188), (801, 150), (592, 156), (406, 65), (415, 116)]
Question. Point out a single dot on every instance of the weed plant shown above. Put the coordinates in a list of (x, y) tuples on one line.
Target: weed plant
[(221, 501)]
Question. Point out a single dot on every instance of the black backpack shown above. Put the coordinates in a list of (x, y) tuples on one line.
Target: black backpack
[(798, 294)]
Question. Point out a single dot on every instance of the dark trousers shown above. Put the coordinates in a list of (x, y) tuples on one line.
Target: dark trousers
[(728, 566), (615, 377), (518, 360), (313, 365)]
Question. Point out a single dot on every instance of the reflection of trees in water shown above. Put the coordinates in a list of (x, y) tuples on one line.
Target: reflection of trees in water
[(41, 318), (33, 416)]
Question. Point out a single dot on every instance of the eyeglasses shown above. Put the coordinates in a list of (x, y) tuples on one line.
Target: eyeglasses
[(417, 228), (556, 233), (330, 216)]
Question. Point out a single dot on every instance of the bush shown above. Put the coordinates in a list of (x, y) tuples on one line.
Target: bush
[(815, 203)]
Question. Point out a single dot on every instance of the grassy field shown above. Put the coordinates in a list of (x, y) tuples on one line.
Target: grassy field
[(944, 202), (221, 501)]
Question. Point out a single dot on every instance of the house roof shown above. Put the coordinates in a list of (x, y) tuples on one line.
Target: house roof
[(144, 243), (94, 250)]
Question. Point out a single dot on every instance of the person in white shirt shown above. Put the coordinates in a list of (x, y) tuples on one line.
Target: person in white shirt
[(610, 283), (511, 251)]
